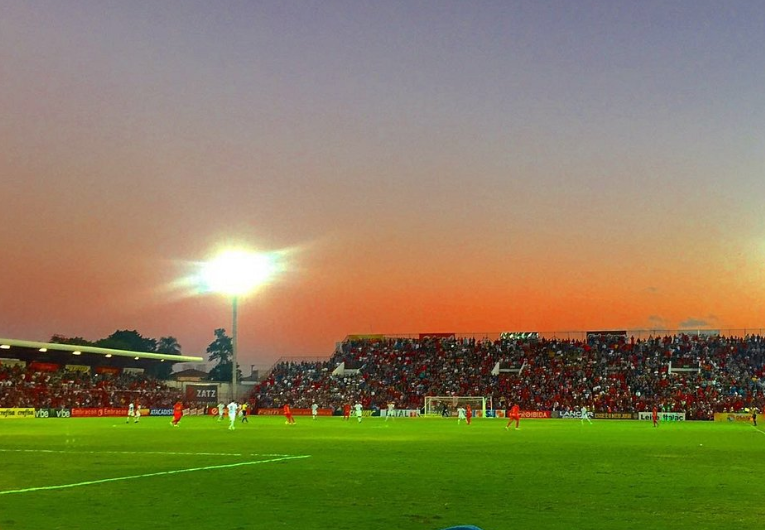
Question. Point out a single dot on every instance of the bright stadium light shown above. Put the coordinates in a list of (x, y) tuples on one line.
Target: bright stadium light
[(236, 273)]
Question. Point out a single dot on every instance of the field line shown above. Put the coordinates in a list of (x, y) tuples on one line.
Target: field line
[(169, 453), (158, 474), (758, 430)]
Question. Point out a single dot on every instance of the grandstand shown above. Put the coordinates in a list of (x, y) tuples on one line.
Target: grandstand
[(608, 372), (43, 376)]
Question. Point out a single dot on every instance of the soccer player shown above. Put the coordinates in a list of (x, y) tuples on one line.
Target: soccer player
[(357, 407), (314, 410), (347, 411), (391, 411), (245, 409), (460, 414), (177, 414), (515, 414), (232, 408), (221, 410), (288, 415), (137, 413), (468, 414), (655, 416), (585, 416), (131, 412), (754, 416)]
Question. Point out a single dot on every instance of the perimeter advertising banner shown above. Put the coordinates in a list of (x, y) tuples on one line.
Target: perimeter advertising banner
[(53, 413), (663, 416), (733, 416), (573, 414), (103, 412), (401, 413), (614, 416), (298, 412), (16, 413), (525, 414)]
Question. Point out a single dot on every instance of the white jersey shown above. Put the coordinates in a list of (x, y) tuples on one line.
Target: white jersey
[(584, 412), (232, 407), (461, 413), (357, 407), (221, 409), (314, 409), (131, 409)]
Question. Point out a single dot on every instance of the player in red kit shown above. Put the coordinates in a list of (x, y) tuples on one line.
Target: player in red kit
[(347, 411), (177, 413), (655, 416), (515, 414), (468, 414), (288, 415)]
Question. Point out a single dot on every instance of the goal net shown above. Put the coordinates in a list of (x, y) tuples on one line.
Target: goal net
[(448, 405)]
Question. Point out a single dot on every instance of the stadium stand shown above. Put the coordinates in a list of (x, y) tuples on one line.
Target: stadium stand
[(28, 387), (698, 375)]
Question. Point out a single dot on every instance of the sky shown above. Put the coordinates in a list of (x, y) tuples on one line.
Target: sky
[(451, 166)]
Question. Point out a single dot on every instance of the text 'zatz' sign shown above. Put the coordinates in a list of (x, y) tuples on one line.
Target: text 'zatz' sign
[(202, 393)]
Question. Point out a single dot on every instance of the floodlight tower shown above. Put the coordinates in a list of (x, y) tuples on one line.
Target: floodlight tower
[(236, 273)]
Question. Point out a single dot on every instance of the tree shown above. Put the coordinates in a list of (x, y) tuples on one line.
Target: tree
[(168, 346), (74, 341), (221, 350), (129, 340)]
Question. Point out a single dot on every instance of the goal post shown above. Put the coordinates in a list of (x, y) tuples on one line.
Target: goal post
[(436, 405)]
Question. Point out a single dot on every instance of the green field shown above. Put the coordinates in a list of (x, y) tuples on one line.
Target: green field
[(408, 474)]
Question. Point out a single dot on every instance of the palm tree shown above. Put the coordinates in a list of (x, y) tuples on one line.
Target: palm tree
[(169, 345)]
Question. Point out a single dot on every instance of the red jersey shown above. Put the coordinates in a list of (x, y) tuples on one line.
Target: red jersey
[(515, 411), (178, 408), (347, 410), (287, 410), (469, 411)]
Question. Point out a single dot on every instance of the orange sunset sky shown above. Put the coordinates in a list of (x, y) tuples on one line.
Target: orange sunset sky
[(427, 166)]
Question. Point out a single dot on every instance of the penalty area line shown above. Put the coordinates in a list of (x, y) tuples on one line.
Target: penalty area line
[(158, 474)]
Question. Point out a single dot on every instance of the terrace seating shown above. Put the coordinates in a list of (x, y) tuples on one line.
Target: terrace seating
[(605, 374)]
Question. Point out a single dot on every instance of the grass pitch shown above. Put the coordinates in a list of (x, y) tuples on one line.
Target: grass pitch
[(404, 474)]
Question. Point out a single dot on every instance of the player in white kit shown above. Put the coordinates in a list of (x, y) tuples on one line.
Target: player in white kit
[(232, 408), (585, 416), (131, 412), (391, 411)]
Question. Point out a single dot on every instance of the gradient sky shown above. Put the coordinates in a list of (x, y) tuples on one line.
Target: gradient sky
[(433, 166)]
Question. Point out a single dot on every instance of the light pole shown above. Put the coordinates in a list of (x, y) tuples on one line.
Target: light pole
[(236, 273), (234, 337)]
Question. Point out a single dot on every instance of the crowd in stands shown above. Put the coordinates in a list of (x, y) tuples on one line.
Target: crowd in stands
[(24, 387), (698, 375)]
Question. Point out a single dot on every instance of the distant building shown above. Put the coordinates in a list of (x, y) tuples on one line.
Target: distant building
[(190, 375)]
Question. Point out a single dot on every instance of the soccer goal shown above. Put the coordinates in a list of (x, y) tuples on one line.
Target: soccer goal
[(447, 405)]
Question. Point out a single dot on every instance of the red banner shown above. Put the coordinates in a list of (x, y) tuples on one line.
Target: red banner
[(536, 414), (99, 412), (107, 370), (43, 367)]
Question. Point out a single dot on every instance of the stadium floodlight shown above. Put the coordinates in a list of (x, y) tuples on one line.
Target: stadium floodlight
[(236, 273)]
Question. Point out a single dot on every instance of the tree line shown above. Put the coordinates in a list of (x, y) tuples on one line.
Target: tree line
[(219, 350)]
